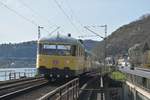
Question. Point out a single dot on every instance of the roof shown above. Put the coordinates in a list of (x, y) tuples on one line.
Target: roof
[(59, 39)]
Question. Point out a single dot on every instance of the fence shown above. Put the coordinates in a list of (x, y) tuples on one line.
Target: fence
[(138, 81), (4, 75), (69, 91), (11, 74)]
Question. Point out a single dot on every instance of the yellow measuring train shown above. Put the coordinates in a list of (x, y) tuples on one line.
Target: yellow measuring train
[(62, 57)]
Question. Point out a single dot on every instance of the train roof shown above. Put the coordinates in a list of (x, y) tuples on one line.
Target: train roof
[(59, 39)]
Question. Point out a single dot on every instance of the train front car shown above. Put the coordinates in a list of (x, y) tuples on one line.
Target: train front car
[(60, 57)]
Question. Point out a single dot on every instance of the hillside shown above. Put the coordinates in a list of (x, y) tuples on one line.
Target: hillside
[(20, 50), (126, 36)]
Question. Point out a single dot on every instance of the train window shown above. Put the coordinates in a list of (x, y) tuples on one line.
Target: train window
[(64, 50), (49, 46), (86, 56), (81, 52), (77, 52), (73, 50), (61, 50), (64, 47)]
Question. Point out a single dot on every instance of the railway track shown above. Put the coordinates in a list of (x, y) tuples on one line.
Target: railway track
[(4, 83), (11, 90), (30, 89)]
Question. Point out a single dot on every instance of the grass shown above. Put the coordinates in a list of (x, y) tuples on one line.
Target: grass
[(116, 75)]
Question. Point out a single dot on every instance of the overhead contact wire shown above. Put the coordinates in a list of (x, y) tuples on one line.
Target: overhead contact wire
[(21, 16), (59, 6), (35, 12), (18, 14)]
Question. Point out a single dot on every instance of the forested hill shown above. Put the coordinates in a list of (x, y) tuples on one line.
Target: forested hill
[(128, 35), (28, 49)]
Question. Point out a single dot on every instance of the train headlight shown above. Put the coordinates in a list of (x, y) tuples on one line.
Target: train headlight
[(67, 76), (58, 76), (51, 75)]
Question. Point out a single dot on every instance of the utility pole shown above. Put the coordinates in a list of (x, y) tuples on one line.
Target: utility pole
[(105, 46), (103, 37), (39, 35), (39, 31)]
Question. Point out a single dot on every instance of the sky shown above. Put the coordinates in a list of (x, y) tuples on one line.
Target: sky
[(19, 19)]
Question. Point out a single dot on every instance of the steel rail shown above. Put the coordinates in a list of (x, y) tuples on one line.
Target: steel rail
[(19, 84), (17, 80), (23, 90)]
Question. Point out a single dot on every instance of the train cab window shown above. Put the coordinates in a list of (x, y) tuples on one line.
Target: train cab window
[(49, 46), (64, 50), (63, 47), (82, 52), (51, 49)]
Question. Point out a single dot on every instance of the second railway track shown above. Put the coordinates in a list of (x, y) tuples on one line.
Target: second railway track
[(12, 90)]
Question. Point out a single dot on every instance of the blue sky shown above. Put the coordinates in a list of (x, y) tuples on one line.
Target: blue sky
[(46, 13)]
